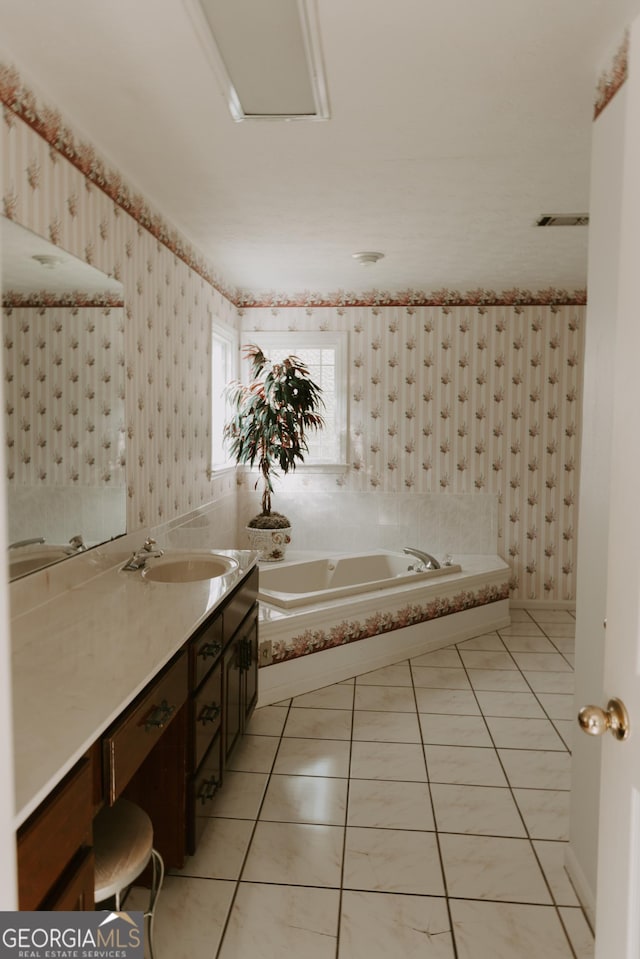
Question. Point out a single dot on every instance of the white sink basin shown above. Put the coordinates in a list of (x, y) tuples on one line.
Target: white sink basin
[(189, 567)]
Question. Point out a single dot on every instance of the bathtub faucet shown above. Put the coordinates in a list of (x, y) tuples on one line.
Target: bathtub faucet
[(428, 561)]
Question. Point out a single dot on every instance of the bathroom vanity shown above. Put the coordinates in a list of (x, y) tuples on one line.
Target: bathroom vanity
[(126, 712)]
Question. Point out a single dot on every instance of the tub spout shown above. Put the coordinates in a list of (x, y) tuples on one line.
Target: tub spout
[(427, 560)]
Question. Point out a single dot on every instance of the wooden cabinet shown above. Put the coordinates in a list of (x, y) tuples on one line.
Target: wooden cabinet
[(166, 752), (223, 671), (54, 839)]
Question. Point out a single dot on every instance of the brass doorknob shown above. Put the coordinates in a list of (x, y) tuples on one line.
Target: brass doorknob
[(615, 719)]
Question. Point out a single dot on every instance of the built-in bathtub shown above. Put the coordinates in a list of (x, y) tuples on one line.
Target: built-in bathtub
[(399, 617), (306, 583)]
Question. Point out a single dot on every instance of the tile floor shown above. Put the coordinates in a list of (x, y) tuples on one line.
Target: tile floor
[(419, 810)]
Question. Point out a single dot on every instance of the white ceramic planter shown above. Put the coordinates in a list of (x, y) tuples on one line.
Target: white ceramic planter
[(271, 544)]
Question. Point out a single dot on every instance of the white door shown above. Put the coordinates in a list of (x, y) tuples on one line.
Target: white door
[(618, 892)]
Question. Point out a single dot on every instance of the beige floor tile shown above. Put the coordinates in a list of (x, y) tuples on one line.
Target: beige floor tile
[(339, 696), (457, 702), (507, 703), (553, 662), (398, 674), (564, 644), (221, 850), (498, 680), (443, 730), (497, 930), (440, 677), (310, 799), (486, 641), (268, 721), (552, 856), (310, 723), (552, 616), (191, 915), (467, 765), (271, 922), (559, 630), (386, 727), (295, 854), (448, 657), (400, 761), (397, 699), (487, 659), (518, 733), (549, 682), (313, 757), (558, 705), (385, 925), (566, 729), (521, 629), (529, 644), (545, 812), (520, 616), (254, 754), (392, 860), (536, 769), (579, 932), (241, 796), (480, 810), (389, 805), (488, 867)]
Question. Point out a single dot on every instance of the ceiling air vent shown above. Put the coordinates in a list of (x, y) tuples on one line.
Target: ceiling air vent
[(563, 219)]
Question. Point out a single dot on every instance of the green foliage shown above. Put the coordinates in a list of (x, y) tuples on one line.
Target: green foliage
[(271, 417)]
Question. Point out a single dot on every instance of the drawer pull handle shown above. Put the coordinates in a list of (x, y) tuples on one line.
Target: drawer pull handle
[(157, 718), (208, 714), (210, 649), (208, 789)]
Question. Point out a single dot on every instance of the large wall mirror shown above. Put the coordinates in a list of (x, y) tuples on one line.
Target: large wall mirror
[(64, 373)]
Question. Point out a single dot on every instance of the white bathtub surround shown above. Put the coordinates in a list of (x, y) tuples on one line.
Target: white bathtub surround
[(325, 642), (327, 518)]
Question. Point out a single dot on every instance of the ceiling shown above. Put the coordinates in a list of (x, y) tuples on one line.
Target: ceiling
[(454, 125)]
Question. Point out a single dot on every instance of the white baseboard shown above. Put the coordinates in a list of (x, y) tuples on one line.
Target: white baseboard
[(569, 604), (301, 675), (583, 890)]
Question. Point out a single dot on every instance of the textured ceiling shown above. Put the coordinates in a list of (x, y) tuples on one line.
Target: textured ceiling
[(454, 125)]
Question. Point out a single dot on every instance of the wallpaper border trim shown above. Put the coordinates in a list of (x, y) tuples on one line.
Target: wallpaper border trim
[(415, 298), (612, 79), (43, 299)]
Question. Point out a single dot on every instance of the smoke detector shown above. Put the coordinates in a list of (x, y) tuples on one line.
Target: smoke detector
[(367, 257), (563, 219)]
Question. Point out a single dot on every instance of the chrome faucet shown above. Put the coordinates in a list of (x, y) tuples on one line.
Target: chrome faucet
[(26, 542), (140, 556), (77, 543), (426, 559)]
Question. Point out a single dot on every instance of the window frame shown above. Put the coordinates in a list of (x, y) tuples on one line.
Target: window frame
[(230, 337), (292, 342)]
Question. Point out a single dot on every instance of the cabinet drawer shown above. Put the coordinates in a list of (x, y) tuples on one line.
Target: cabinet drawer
[(240, 604), (74, 892), (133, 736), (48, 841), (204, 786), (207, 714), (205, 650)]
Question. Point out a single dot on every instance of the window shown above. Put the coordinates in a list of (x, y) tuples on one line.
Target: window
[(325, 355), (224, 368)]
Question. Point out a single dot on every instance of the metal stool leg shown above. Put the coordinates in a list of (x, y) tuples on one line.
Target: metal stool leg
[(156, 886)]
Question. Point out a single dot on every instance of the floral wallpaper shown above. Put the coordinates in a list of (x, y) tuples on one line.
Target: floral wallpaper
[(64, 393), (59, 187), (466, 399)]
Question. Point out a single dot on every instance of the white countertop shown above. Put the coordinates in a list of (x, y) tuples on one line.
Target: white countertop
[(80, 657)]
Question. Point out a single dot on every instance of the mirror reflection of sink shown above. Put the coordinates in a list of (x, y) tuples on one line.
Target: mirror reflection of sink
[(189, 567), (28, 560)]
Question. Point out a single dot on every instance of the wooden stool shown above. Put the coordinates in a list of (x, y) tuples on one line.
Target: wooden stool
[(123, 846)]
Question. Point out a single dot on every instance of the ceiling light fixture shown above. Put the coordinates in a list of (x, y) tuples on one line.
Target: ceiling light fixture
[(367, 257), (266, 56)]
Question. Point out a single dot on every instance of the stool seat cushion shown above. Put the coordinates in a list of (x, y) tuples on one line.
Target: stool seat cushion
[(122, 840)]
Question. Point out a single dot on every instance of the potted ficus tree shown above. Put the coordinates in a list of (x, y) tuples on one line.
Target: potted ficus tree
[(268, 426)]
